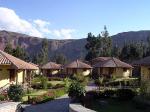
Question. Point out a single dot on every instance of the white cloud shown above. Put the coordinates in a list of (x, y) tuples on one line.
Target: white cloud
[(65, 33), (10, 21), (42, 25)]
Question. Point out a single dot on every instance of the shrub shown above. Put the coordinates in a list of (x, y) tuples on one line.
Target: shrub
[(67, 82), (2, 97), (15, 92), (49, 85), (40, 82), (44, 83), (125, 94), (76, 90), (80, 78)]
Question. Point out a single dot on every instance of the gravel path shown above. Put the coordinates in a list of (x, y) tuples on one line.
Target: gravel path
[(60, 104)]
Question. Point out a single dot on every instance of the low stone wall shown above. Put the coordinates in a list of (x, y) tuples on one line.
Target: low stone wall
[(8, 107), (78, 108)]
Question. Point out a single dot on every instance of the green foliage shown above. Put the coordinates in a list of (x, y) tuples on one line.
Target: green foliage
[(15, 92), (18, 52), (67, 82), (80, 78), (40, 82), (60, 58), (100, 45), (50, 95), (145, 88), (2, 97), (44, 82), (42, 57), (76, 90), (8, 48)]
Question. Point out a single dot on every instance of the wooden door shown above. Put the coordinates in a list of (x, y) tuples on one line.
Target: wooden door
[(12, 75)]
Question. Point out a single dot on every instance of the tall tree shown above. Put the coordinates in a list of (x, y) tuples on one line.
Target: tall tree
[(18, 52), (8, 48), (106, 43), (42, 57), (60, 58), (92, 47)]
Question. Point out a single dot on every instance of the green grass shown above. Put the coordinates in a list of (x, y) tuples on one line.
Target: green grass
[(117, 106), (55, 82), (34, 93)]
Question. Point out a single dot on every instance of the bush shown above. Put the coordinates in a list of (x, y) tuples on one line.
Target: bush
[(125, 94), (80, 78), (76, 90), (49, 86), (2, 97), (40, 82), (15, 92), (44, 83)]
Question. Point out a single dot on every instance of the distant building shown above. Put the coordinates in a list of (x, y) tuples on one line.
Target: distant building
[(111, 67), (144, 65), (51, 69), (78, 67)]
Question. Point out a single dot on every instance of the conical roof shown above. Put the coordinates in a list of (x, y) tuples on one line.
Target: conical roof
[(112, 62), (51, 65), (77, 64)]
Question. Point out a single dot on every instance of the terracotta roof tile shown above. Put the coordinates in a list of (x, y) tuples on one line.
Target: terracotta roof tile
[(111, 62), (77, 64), (51, 65), (16, 63)]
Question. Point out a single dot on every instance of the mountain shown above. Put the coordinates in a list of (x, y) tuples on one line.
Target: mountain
[(72, 49)]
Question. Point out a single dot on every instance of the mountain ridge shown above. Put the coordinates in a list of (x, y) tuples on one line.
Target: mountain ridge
[(71, 48)]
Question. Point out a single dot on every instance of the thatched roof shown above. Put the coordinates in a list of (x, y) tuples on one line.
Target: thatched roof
[(142, 62), (16, 63), (78, 64), (111, 62), (51, 65)]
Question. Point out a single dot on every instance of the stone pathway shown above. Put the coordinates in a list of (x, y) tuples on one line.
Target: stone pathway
[(8, 106), (60, 104)]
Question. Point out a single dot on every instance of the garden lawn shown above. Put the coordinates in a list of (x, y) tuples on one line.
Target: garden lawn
[(34, 93), (117, 106), (56, 82)]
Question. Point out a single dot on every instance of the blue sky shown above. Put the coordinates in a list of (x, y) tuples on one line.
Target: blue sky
[(64, 19)]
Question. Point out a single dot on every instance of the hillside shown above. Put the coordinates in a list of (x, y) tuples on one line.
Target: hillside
[(73, 49)]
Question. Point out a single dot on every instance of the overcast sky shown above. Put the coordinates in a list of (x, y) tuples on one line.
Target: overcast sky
[(67, 19)]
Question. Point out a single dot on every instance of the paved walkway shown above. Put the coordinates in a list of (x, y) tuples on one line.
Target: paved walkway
[(58, 105), (8, 106)]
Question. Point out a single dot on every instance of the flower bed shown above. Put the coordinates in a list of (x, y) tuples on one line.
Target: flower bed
[(48, 96)]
